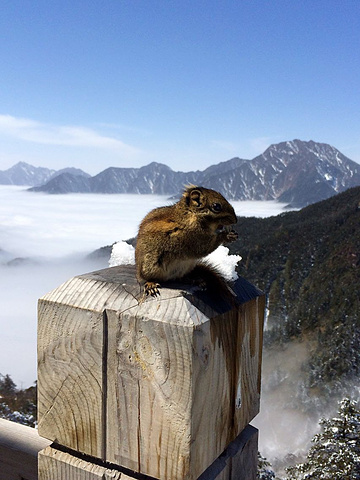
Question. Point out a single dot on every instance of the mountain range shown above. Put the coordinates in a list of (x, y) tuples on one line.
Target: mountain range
[(24, 174), (296, 172)]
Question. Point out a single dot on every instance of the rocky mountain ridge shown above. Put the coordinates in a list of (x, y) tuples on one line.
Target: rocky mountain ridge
[(25, 174), (295, 172)]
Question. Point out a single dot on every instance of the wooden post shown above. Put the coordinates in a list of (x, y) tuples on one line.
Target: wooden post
[(157, 388)]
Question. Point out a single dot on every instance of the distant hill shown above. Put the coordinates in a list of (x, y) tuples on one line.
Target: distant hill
[(308, 263), (24, 174), (154, 178), (298, 173)]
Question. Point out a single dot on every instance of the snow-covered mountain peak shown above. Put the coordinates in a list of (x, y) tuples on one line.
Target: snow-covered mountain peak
[(297, 172)]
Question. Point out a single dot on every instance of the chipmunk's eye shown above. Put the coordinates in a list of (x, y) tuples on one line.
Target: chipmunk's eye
[(216, 207)]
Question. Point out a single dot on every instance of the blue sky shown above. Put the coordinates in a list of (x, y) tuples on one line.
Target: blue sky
[(94, 84)]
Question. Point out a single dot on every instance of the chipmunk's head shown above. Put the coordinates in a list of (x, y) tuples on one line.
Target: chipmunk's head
[(211, 205)]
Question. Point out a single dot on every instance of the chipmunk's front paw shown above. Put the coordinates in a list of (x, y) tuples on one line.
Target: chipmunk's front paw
[(152, 288), (232, 236)]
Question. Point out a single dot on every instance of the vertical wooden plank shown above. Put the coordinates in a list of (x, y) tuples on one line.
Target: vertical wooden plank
[(70, 356), (212, 389), (226, 379), (149, 395), (251, 318), (72, 338)]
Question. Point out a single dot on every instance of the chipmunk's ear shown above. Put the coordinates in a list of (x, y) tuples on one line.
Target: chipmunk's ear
[(196, 198)]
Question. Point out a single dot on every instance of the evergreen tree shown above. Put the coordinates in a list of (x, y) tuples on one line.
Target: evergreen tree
[(264, 471), (17, 405), (7, 386), (335, 453)]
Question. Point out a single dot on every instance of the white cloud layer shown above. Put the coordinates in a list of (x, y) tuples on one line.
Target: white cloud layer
[(66, 135), (53, 226)]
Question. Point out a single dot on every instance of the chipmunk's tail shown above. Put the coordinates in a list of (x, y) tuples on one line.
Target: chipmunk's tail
[(209, 277)]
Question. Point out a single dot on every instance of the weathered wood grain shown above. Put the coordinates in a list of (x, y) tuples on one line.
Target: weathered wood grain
[(19, 447), (57, 465), (176, 377), (160, 386), (71, 376)]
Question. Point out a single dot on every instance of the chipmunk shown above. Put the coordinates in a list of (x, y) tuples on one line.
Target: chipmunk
[(172, 239)]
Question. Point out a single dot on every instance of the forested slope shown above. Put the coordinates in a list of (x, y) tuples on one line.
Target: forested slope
[(308, 262)]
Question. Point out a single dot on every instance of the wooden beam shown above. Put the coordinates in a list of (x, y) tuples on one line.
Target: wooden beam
[(19, 447), (57, 465), (238, 461)]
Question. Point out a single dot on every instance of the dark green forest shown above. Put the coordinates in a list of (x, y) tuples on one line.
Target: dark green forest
[(308, 264)]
